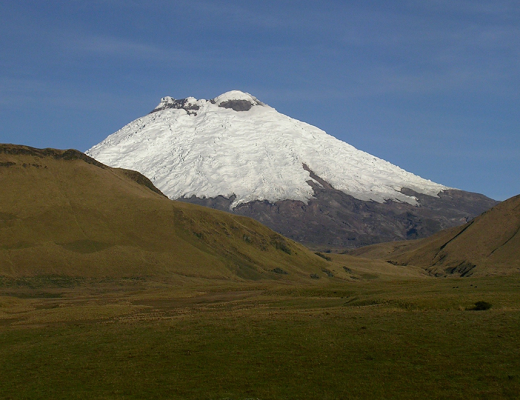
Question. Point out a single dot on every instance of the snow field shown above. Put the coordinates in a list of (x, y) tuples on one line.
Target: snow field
[(254, 155)]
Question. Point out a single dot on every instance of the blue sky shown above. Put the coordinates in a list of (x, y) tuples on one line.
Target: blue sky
[(432, 86)]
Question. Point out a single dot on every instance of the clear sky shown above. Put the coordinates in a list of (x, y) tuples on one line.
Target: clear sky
[(432, 86)]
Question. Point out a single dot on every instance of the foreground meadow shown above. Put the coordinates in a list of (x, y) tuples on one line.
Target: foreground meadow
[(64, 338)]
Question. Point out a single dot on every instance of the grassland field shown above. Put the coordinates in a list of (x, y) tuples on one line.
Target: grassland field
[(366, 338)]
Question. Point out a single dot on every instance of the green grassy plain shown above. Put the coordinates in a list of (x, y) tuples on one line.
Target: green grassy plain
[(364, 338)]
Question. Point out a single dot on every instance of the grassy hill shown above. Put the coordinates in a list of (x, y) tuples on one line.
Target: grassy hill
[(487, 245), (63, 213)]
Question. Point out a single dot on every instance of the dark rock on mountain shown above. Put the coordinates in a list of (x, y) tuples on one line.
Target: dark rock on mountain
[(182, 104), (237, 105), (336, 220)]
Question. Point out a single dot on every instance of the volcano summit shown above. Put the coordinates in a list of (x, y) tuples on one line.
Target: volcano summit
[(238, 154)]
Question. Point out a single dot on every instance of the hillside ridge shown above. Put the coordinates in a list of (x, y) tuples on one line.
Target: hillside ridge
[(63, 213), (489, 245)]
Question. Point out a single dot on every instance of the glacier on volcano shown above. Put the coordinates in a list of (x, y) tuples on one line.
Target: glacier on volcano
[(235, 145)]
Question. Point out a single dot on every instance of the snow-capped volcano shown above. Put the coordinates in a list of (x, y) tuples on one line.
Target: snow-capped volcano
[(235, 145), (238, 154)]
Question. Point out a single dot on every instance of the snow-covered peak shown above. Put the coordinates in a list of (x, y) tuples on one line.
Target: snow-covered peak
[(167, 100), (189, 103), (234, 99), (230, 147), (235, 95)]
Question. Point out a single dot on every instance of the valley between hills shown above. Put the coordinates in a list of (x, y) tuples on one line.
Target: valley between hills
[(110, 290)]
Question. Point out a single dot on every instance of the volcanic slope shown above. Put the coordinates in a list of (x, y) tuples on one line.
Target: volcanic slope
[(487, 245), (238, 154), (63, 213)]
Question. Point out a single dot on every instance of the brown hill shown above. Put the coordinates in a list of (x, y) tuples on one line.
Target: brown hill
[(63, 213), (487, 245)]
